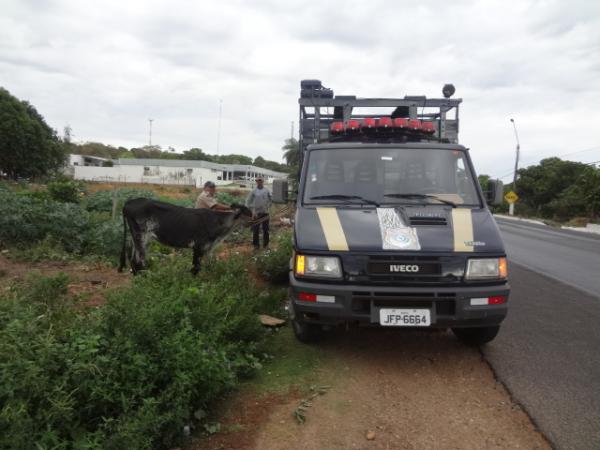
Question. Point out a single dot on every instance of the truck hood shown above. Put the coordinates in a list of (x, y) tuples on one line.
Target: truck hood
[(423, 228)]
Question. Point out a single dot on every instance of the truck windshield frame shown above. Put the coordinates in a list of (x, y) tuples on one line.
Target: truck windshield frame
[(390, 175)]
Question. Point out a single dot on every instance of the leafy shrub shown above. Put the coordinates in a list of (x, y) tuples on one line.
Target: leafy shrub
[(274, 263), (129, 374), (68, 191), (228, 198), (103, 201), (104, 237), (24, 220)]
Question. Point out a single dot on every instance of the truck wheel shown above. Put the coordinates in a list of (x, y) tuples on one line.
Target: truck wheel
[(309, 333), (476, 336)]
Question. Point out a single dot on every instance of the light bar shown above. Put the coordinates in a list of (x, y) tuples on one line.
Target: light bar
[(369, 125)]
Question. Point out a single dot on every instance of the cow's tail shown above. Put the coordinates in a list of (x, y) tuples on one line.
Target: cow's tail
[(124, 249)]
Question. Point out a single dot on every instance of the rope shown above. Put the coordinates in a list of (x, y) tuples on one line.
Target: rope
[(284, 210)]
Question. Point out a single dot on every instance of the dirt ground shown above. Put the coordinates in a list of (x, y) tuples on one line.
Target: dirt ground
[(404, 389), (88, 280)]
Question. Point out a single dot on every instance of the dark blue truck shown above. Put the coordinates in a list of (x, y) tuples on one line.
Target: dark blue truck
[(392, 228)]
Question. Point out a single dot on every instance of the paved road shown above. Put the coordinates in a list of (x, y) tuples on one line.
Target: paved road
[(548, 351), (569, 256)]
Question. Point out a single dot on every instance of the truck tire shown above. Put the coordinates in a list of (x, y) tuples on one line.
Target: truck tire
[(308, 333), (476, 336)]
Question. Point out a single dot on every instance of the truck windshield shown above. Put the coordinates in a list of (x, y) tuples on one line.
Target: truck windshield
[(389, 176)]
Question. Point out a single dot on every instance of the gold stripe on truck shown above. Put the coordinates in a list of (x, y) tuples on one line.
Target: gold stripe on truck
[(332, 228), (462, 226)]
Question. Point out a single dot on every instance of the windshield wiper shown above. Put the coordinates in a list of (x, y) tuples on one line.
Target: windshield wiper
[(344, 197), (417, 196)]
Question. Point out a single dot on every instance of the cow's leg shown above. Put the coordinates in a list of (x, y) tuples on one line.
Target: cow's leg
[(138, 257), (124, 248), (196, 259)]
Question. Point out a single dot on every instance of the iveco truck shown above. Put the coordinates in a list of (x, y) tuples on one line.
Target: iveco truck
[(392, 228)]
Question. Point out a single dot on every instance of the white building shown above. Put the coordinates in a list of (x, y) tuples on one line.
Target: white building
[(167, 171)]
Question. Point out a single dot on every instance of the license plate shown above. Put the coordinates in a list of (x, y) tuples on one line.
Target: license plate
[(405, 317)]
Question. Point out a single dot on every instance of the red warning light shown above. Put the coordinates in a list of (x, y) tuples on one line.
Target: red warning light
[(414, 124), (385, 122), (352, 125), (400, 122), (428, 127), (368, 123), (336, 127)]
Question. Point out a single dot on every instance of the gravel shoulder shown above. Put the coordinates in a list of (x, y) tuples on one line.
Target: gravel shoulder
[(406, 389)]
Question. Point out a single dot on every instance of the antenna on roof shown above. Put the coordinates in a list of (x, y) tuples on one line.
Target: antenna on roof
[(150, 132)]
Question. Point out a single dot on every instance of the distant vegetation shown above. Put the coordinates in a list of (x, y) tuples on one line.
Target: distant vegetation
[(557, 189)]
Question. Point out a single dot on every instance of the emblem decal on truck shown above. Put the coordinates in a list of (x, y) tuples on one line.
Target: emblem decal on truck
[(395, 234)]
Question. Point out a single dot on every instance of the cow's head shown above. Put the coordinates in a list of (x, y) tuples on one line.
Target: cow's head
[(241, 212)]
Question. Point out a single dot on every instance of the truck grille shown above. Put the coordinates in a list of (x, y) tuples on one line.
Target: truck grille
[(442, 303), (407, 269)]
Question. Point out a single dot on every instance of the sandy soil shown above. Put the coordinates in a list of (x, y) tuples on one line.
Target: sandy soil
[(406, 389)]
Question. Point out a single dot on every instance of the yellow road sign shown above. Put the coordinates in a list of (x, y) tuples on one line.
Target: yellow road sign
[(511, 197)]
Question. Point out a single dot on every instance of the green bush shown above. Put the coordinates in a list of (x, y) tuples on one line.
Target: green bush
[(68, 191), (25, 220), (132, 373), (274, 263), (228, 198)]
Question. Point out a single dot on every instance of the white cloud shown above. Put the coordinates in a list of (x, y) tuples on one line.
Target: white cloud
[(106, 67)]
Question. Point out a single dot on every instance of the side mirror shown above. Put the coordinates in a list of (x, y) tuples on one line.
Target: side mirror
[(495, 192), (280, 191)]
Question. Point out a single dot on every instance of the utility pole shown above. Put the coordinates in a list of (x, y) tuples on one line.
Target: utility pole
[(511, 210), (292, 135), (150, 132), (219, 125)]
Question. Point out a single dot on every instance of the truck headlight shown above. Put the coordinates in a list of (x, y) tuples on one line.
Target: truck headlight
[(318, 266), (486, 269)]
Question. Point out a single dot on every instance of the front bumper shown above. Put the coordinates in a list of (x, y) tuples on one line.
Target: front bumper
[(449, 306)]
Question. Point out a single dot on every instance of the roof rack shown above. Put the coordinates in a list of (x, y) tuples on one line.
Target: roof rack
[(328, 118)]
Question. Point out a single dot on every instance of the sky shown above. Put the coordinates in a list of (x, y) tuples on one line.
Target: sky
[(105, 68)]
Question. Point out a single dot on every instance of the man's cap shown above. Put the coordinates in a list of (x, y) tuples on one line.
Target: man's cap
[(209, 184)]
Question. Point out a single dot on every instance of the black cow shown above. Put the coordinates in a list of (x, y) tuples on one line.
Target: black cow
[(176, 226)]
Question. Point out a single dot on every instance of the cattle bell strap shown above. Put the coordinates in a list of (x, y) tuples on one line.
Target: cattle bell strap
[(332, 228), (462, 226)]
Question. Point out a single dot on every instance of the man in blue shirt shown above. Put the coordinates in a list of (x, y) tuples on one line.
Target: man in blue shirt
[(259, 201)]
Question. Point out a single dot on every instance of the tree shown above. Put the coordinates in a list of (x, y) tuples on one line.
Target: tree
[(539, 185), (483, 182), (28, 146), (259, 161), (233, 159), (196, 154), (96, 149), (291, 154)]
